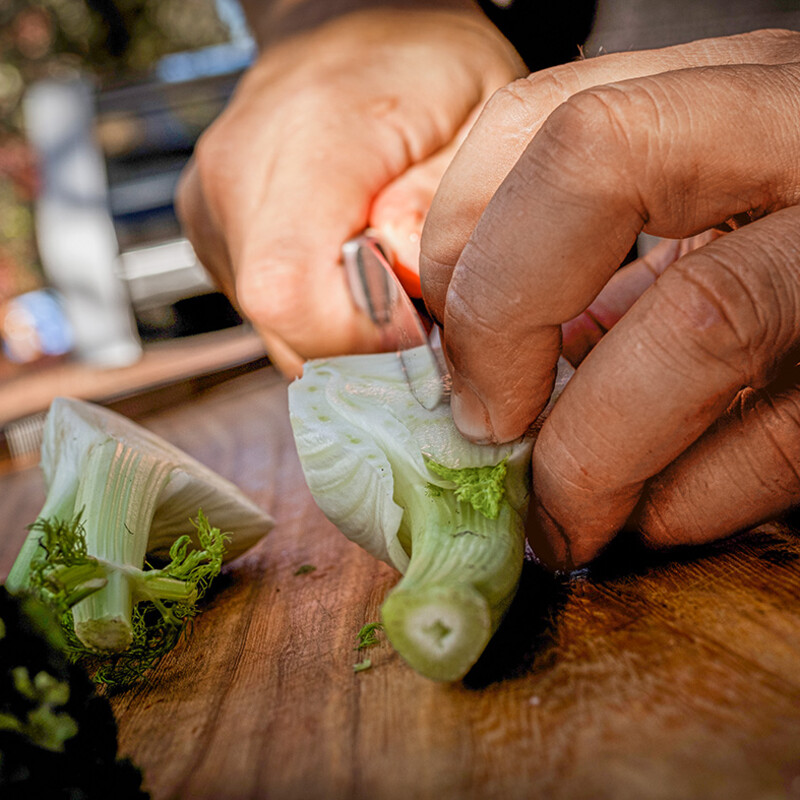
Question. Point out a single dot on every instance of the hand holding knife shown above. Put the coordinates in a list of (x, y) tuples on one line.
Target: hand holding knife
[(377, 292)]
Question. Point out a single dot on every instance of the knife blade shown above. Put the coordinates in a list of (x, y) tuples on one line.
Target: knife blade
[(378, 293)]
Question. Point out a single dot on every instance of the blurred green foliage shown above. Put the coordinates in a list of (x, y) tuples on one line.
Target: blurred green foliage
[(117, 41)]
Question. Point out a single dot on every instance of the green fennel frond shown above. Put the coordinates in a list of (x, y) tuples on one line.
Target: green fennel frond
[(194, 568), (368, 635), (166, 598), (61, 571), (153, 637), (197, 566), (482, 487)]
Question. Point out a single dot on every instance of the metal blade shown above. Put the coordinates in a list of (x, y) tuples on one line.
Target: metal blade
[(380, 295)]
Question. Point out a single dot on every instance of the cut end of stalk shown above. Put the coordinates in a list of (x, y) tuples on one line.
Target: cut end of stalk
[(107, 634), (440, 631)]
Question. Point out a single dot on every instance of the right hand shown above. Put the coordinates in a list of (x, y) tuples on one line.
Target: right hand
[(684, 420), (347, 126)]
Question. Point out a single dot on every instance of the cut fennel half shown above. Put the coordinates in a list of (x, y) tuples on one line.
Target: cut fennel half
[(117, 494), (401, 482)]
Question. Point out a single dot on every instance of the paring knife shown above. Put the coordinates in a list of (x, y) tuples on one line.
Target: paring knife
[(377, 292)]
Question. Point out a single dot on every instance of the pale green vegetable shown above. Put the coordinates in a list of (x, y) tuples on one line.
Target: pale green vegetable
[(117, 494), (402, 482)]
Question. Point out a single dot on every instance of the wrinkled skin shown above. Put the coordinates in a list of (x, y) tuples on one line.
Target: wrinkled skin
[(684, 419), (349, 124)]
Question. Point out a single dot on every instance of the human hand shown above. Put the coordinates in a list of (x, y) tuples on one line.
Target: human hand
[(684, 420), (338, 128)]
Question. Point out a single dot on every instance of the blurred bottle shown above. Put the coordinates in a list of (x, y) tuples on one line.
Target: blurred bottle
[(75, 233)]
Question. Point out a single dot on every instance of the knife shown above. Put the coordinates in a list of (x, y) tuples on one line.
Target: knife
[(378, 293)]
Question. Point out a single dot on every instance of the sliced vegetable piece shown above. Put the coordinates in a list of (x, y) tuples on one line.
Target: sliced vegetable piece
[(117, 493), (402, 482)]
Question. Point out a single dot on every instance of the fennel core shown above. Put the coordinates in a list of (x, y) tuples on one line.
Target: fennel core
[(467, 548), (401, 481)]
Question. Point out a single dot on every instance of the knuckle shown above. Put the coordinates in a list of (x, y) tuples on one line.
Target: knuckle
[(523, 104), (778, 421), (519, 104), (593, 122), (583, 151), (553, 86), (597, 144), (212, 156), (269, 300), (186, 195), (714, 316), (316, 100)]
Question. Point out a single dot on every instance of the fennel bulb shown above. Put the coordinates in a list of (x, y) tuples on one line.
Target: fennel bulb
[(403, 483), (116, 494)]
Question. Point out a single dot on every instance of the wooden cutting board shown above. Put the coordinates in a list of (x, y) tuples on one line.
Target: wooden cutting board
[(648, 677)]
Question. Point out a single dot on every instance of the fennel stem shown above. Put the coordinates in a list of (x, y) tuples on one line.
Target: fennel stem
[(463, 571), (117, 493)]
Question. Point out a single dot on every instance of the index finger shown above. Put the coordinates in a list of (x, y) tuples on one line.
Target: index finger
[(514, 115), (571, 208)]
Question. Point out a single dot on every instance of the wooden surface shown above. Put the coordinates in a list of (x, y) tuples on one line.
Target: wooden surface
[(650, 677), (166, 373), (30, 390)]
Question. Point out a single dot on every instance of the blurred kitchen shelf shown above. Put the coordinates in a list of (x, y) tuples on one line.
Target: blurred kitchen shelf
[(168, 371)]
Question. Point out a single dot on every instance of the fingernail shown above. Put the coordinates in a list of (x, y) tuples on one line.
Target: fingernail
[(403, 238), (548, 540), (471, 416)]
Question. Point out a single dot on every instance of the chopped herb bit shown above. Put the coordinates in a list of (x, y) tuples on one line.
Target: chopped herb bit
[(368, 635), (62, 574), (362, 665), (304, 569), (482, 487)]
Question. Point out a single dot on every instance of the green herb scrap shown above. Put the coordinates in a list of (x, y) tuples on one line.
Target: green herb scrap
[(165, 600), (368, 635)]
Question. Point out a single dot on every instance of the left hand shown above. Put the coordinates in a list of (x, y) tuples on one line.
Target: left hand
[(676, 417), (342, 126)]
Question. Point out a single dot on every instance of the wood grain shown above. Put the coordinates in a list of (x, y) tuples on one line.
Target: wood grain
[(32, 389), (652, 676)]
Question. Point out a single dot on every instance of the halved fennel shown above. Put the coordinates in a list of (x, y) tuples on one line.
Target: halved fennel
[(117, 493), (401, 481)]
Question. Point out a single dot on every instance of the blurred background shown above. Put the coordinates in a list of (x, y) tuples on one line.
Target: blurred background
[(101, 102), (101, 297)]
